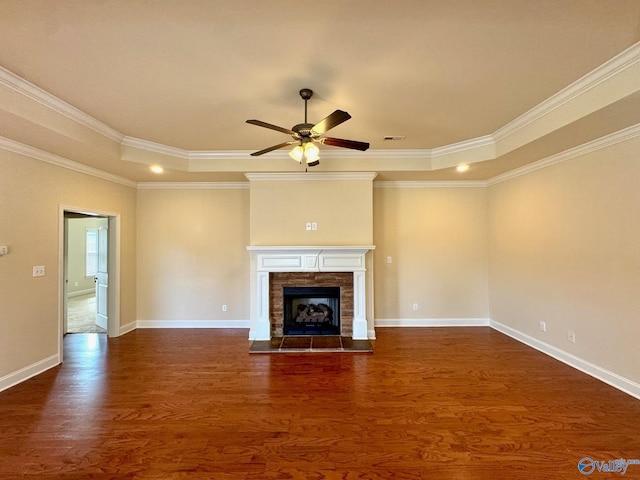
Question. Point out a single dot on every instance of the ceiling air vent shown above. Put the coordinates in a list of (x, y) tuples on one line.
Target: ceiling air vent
[(389, 138)]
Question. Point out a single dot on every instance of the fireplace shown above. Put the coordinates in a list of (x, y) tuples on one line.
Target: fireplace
[(333, 289), (311, 311), (275, 269)]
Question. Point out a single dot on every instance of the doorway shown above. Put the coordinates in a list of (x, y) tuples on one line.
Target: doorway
[(110, 300), (86, 247)]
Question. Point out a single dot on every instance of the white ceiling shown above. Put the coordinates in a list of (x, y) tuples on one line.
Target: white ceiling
[(187, 74)]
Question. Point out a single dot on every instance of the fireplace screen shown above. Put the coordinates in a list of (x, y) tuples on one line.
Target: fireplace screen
[(311, 311)]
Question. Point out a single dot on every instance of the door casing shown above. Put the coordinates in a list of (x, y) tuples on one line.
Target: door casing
[(113, 295)]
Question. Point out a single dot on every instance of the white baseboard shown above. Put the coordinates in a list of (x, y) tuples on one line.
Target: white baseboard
[(431, 322), (193, 324), (623, 384), (129, 327), (29, 371), (79, 293)]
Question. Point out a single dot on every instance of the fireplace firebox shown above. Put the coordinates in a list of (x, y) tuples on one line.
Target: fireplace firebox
[(311, 310)]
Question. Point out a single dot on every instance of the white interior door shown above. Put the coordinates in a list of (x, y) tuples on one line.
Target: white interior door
[(102, 279)]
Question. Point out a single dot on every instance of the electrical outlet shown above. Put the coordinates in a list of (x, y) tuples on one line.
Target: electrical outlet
[(543, 327), (3, 250), (415, 306), (571, 336), (38, 271)]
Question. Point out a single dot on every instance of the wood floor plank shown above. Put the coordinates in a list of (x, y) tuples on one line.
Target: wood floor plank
[(464, 403)]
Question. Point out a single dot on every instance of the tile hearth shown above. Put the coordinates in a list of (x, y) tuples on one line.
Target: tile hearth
[(311, 344)]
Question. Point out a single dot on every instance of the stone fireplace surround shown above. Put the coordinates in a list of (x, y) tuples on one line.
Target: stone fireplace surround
[(309, 259), (279, 280)]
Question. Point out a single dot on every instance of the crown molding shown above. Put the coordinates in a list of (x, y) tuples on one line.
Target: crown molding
[(28, 89), (193, 185), (624, 135), (159, 148), (485, 147), (479, 142), (154, 147), (37, 154), (270, 177), (615, 66), (431, 184)]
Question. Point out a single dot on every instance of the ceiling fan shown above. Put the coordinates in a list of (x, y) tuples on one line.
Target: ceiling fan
[(306, 135)]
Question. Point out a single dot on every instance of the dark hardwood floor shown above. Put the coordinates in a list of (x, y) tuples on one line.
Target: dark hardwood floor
[(439, 403)]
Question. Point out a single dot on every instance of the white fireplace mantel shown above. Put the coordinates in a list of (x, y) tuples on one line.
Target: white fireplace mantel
[(308, 259)]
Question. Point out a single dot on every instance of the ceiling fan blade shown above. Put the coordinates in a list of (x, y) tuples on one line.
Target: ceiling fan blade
[(260, 123), (275, 147), (339, 142), (333, 120)]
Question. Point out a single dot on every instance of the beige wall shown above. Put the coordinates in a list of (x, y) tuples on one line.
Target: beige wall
[(437, 240), (558, 245), (565, 249), (31, 193), (342, 209), (192, 254)]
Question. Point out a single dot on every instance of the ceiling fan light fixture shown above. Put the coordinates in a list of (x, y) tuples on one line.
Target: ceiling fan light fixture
[(297, 153), (311, 152)]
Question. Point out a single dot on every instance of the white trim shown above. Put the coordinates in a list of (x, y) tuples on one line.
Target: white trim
[(28, 89), (129, 327), (80, 293), (431, 322), (430, 184), (114, 269), (623, 135), (471, 144), (29, 371), (193, 324), (270, 177), (617, 381), (113, 305), (192, 185), (601, 74), (305, 248), (377, 154), (265, 259), (37, 154), (154, 147), (221, 155)]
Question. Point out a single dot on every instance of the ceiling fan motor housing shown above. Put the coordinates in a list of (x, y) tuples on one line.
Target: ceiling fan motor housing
[(303, 129), (306, 93)]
